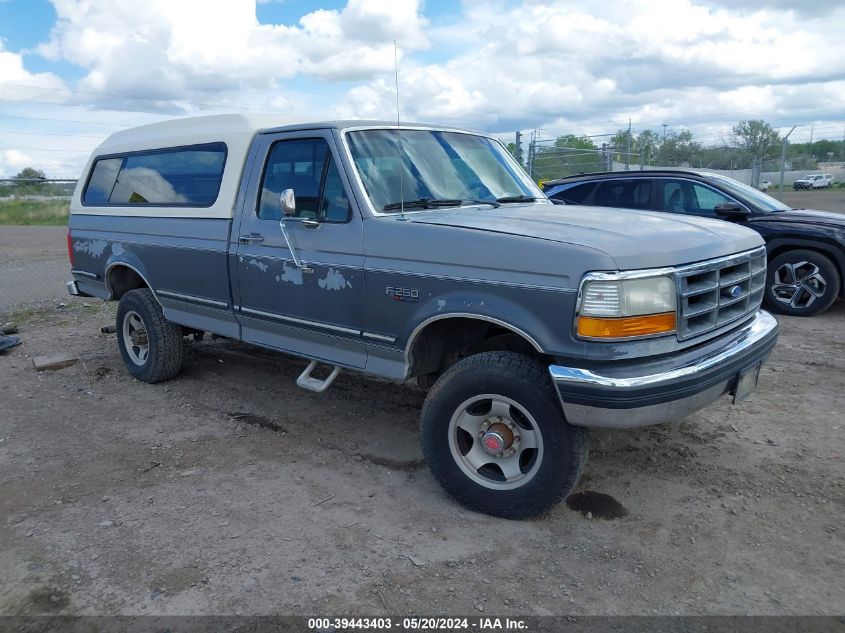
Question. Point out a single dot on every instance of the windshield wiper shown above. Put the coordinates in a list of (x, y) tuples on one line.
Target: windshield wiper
[(506, 199), (428, 203), (423, 203)]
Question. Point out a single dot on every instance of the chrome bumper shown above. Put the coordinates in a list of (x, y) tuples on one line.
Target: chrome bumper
[(663, 391), (73, 289)]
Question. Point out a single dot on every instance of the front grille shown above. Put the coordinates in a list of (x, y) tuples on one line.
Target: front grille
[(715, 293)]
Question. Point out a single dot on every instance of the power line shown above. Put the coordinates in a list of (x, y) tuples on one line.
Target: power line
[(120, 96), (45, 149), (38, 118), (50, 134)]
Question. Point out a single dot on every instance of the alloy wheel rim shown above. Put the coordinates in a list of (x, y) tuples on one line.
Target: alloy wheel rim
[(495, 442), (798, 284)]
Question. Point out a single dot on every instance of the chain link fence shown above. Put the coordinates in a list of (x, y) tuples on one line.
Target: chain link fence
[(569, 155)]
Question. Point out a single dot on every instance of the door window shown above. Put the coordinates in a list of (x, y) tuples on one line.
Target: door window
[(683, 196), (307, 167), (574, 194), (627, 193)]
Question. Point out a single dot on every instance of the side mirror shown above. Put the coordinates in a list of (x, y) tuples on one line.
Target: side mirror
[(287, 202), (558, 201), (731, 211)]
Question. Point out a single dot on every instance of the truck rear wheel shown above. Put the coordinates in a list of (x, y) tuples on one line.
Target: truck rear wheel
[(494, 436), (151, 346)]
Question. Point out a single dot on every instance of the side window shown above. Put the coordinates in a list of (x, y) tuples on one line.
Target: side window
[(307, 167), (576, 194), (102, 180), (673, 196), (187, 176), (683, 196), (335, 205), (707, 199), (629, 193)]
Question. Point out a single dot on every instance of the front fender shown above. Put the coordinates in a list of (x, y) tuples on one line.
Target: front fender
[(540, 316)]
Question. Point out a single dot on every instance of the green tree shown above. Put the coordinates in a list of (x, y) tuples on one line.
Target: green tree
[(619, 142), (646, 145), (678, 150), (574, 142), (30, 173), (569, 154), (757, 137)]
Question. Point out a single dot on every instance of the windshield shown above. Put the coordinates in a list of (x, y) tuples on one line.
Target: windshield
[(750, 195), (431, 168)]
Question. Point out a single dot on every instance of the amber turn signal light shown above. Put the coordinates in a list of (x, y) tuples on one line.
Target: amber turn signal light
[(626, 327)]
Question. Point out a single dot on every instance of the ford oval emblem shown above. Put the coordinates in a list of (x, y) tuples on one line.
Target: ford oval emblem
[(735, 291)]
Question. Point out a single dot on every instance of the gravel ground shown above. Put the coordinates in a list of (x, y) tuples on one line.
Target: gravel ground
[(229, 490), (33, 264)]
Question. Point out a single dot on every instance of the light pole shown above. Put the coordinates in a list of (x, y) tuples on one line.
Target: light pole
[(783, 159)]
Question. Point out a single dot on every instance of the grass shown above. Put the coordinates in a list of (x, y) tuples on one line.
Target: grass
[(38, 212)]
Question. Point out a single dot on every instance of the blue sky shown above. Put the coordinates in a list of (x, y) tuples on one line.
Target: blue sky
[(73, 71)]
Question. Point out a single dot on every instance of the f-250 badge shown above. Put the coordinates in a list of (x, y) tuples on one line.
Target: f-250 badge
[(410, 295)]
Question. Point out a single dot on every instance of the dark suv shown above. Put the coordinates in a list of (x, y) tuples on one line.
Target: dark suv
[(806, 249)]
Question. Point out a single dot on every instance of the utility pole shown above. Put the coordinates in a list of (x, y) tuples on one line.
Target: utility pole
[(783, 158), (531, 154), (628, 147), (518, 141), (664, 132)]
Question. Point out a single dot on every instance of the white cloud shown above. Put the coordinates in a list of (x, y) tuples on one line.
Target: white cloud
[(12, 161), (17, 83), (191, 49), (498, 65), (598, 63)]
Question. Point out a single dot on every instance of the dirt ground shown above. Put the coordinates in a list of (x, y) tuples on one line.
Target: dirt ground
[(229, 490)]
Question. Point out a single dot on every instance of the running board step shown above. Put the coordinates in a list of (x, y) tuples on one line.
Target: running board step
[(306, 381)]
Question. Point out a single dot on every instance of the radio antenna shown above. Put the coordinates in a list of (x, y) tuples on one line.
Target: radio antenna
[(398, 131)]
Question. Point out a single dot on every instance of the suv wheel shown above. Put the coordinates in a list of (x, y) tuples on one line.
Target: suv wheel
[(494, 436), (801, 283), (151, 346)]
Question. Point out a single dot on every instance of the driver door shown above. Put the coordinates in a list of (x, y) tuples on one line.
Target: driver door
[(316, 309)]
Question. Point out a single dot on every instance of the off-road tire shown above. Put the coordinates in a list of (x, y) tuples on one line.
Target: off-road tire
[(526, 382), (166, 345), (826, 268)]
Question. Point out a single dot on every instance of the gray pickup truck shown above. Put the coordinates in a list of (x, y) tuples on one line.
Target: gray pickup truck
[(422, 252)]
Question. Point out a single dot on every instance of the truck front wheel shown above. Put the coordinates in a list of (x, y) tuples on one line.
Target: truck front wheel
[(151, 346), (494, 436)]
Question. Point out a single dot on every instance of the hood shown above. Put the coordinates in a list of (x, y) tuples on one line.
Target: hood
[(803, 216), (633, 239)]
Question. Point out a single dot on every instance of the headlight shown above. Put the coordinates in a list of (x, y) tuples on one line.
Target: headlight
[(625, 308)]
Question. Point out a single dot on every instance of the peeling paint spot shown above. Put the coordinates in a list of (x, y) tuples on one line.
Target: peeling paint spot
[(334, 281), (292, 274), (441, 303), (259, 265), (94, 248), (117, 248)]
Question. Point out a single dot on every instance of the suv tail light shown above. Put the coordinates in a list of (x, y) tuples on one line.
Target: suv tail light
[(69, 247)]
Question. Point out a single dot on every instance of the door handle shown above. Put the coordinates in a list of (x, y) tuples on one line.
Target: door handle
[(251, 238)]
